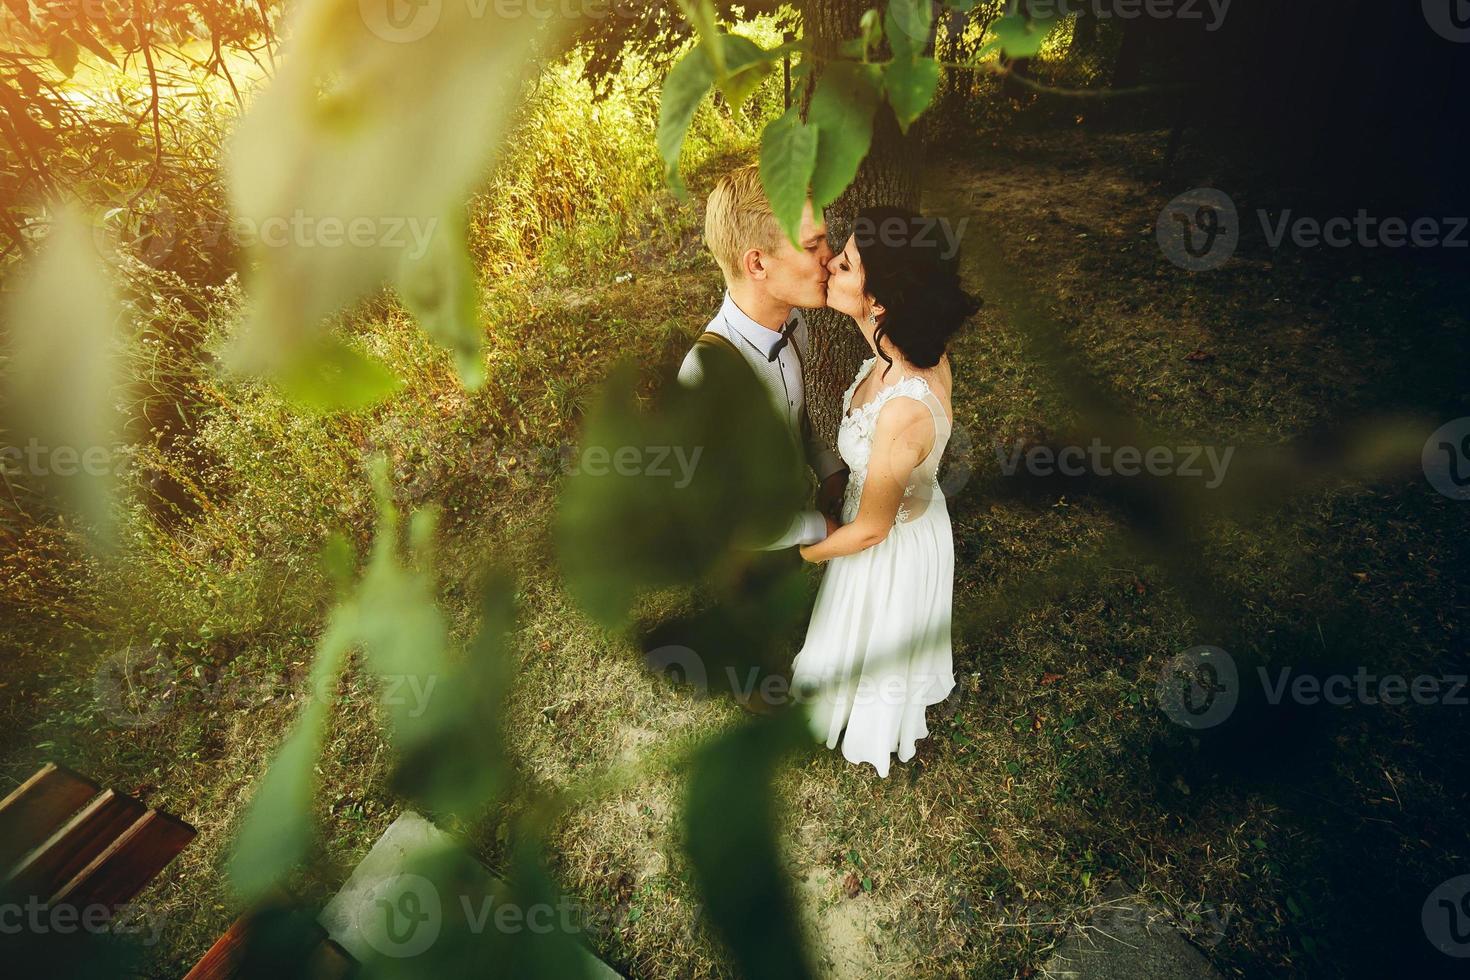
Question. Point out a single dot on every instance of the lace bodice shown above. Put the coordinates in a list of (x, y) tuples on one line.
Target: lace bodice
[(855, 445)]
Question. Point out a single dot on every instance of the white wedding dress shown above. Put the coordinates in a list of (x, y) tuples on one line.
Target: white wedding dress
[(879, 640)]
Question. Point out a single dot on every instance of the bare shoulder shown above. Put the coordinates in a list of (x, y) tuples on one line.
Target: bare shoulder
[(904, 417)]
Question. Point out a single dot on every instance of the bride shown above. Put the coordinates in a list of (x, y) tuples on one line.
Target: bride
[(877, 651)]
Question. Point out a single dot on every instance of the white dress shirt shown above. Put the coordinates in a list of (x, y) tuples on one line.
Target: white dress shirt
[(783, 380)]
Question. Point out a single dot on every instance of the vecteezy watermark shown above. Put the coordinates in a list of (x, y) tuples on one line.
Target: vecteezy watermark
[(153, 232), (405, 914), (685, 667), (1200, 230), (1097, 459), (39, 460), (1123, 919), (37, 917), (923, 232), (1446, 459), (1446, 917), (1211, 12), (677, 463), (139, 686), (405, 21), (1450, 19), (1201, 687)]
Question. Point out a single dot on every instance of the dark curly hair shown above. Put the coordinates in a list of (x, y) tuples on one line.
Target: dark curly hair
[(912, 268)]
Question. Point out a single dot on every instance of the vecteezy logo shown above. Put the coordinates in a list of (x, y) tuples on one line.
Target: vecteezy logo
[(400, 21), (958, 467), (1446, 459), (1446, 917), (1199, 688), (1199, 229), (402, 916), (1449, 18), (137, 687), (680, 665)]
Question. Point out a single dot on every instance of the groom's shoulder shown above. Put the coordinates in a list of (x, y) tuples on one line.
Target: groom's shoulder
[(714, 339)]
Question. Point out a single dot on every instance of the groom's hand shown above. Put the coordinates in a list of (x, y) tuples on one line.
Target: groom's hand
[(829, 496)]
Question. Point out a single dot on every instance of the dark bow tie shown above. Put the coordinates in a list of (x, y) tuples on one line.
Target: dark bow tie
[(786, 332)]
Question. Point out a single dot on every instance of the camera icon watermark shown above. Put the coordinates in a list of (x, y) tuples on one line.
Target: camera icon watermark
[(1446, 917), (1199, 688), (1446, 459)]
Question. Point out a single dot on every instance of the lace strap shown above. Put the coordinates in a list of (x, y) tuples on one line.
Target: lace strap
[(910, 388)]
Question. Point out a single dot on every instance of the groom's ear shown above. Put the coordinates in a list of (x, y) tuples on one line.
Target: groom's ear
[(753, 263)]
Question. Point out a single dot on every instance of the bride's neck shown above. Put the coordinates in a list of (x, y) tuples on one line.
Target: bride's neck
[(870, 332)]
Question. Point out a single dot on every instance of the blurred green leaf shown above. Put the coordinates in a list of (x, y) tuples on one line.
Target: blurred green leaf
[(1018, 37), (276, 832), (61, 382), (364, 138), (730, 835), (440, 290), (910, 84), (458, 765), (93, 45), (332, 376), (842, 110), (907, 24), (62, 51), (701, 13), (687, 84), (655, 499), (747, 65), (788, 159)]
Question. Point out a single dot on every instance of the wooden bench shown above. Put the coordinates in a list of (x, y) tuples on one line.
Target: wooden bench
[(64, 841)]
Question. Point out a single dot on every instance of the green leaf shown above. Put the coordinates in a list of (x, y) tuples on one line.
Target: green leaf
[(842, 110), (747, 64), (687, 84), (365, 131), (788, 159), (908, 23), (632, 517), (730, 816), (62, 51), (276, 832), (1019, 38), (870, 31), (910, 85), (93, 45), (439, 288), (701, 13), (62, 353), (456, 761), (330, 376)]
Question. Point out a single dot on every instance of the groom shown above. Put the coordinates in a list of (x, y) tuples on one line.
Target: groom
[(766, 279)]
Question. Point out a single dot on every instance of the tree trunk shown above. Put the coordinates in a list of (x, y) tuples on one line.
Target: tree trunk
[(1084, 34), (888, 177)]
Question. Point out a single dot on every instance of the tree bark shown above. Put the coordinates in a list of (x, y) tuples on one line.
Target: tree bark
[(888, 177)]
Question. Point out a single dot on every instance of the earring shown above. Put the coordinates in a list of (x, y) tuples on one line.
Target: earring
[(873, 319)]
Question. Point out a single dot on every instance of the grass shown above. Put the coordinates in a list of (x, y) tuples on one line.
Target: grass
[(1049, 774)]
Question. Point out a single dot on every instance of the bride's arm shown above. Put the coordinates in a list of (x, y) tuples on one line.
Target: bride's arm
[(901, 440)]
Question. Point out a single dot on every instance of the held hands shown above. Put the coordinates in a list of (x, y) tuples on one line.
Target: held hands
[(829, 495), (831, 526)]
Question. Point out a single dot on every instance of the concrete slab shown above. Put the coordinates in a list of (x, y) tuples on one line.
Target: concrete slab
[(1127, 939), (385, 910)]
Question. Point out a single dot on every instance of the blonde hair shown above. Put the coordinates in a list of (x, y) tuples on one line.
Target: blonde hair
[(738, 218)]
